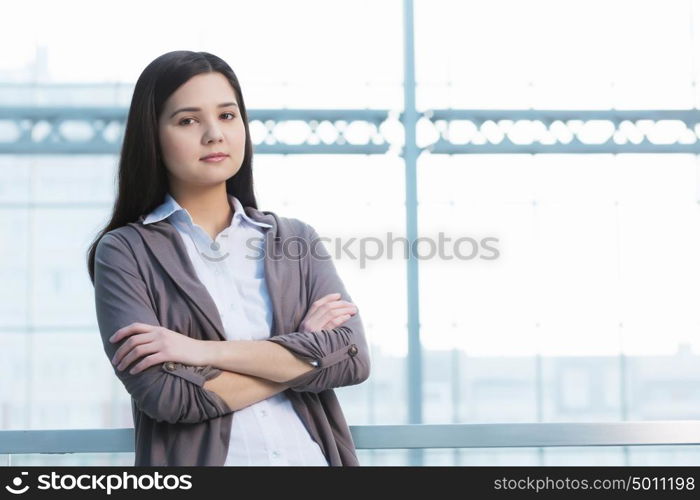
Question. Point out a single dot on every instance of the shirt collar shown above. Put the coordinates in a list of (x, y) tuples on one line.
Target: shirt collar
[(170, 206)]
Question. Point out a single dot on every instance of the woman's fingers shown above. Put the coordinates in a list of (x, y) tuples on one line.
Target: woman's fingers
[(331, 314), (130, 330), (129, 345), (137, 353), (336, 322), (147, 362), (321, 301), (327, 309), (336, 304)]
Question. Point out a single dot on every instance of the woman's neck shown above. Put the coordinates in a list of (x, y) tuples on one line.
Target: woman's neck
[(209, 206)]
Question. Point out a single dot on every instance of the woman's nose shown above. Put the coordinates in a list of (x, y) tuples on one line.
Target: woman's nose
[(213, 134)]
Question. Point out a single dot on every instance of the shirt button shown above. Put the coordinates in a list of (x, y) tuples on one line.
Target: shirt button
[(352, 351), (263, 413), (214, 246), (276, 454), (170, 366)]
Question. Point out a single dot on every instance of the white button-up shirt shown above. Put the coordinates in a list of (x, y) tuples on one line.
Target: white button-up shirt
[(268, 432)]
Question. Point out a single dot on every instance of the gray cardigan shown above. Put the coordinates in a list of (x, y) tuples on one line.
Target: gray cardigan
[(144, 274)]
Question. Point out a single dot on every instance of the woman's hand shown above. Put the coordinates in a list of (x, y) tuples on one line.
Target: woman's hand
[(326, 313), (158, 344)]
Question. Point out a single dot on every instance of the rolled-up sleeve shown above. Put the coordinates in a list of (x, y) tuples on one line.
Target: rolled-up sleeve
[(340, 355), (166, 392)]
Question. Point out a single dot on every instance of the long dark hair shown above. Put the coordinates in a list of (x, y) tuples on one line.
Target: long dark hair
[(142, 175)]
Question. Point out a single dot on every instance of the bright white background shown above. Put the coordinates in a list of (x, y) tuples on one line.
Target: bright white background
[(599, 254)]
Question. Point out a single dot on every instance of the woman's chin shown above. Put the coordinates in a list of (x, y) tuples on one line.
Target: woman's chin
[(215, 177)]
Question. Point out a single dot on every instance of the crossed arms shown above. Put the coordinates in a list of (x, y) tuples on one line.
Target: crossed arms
[(254, 370)]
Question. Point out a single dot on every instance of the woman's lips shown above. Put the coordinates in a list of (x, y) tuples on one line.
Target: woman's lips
[(214, 159)]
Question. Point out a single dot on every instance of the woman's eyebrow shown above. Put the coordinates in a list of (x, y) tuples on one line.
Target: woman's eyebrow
[(200, 109)]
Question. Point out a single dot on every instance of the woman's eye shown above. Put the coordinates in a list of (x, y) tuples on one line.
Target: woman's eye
[(182, 122)]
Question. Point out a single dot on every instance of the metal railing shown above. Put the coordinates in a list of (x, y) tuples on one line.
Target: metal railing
[(414, 436)]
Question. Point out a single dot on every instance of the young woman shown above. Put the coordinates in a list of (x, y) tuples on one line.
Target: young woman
[(228, 326)]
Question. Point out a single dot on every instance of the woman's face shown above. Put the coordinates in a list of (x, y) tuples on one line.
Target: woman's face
[(187, 136)]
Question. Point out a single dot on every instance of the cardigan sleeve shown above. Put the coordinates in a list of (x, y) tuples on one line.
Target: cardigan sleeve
[(340, 355), (166, 392)]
